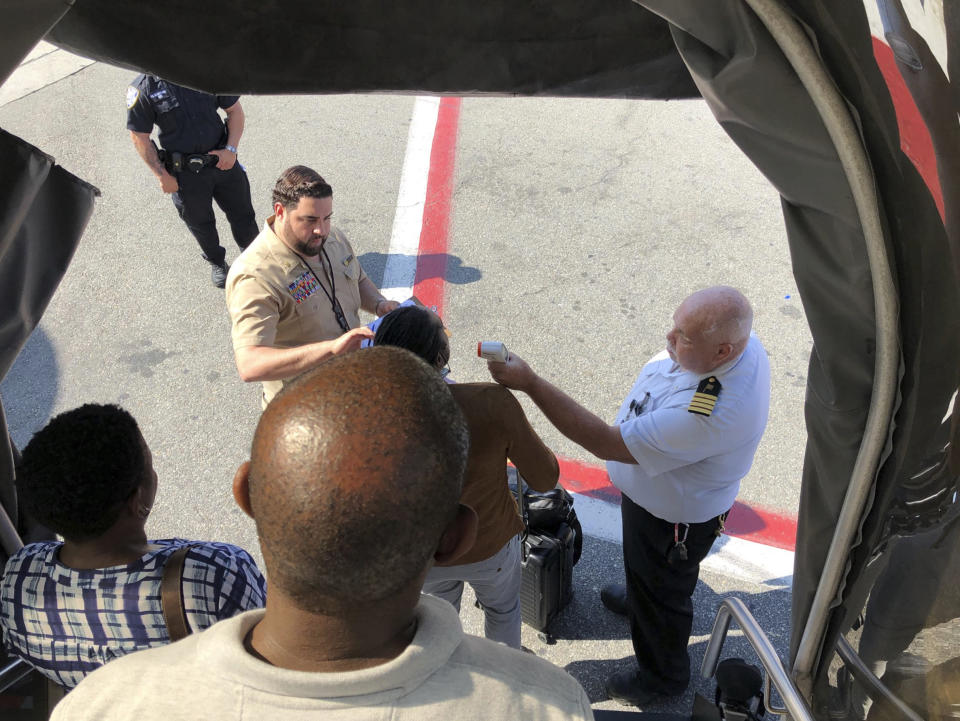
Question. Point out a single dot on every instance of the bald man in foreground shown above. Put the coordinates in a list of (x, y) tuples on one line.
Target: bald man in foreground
[(684, 437), (355, 496)]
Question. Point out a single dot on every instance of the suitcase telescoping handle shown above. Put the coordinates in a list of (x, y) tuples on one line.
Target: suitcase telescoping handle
[(522, 505)]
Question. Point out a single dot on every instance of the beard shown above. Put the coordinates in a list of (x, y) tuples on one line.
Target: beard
[(310, 247)]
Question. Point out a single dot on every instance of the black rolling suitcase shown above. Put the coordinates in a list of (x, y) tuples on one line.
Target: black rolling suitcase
[(546, 585)]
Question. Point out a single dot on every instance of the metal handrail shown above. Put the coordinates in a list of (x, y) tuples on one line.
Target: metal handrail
[(875, 687), (10, 541), (734, 608), (13, 673)]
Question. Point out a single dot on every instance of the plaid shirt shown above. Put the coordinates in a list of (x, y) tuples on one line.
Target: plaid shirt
[(68, 622)]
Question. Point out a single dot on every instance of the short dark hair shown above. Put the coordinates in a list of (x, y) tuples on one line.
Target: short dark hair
[(78, 471), (355, 471), (299, 182), (418, 330)]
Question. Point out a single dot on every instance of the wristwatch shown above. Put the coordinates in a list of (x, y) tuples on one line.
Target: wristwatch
[(231, 148)]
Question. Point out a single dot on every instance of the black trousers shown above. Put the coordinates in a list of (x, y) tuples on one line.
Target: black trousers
[(194, 203), (659, 594)]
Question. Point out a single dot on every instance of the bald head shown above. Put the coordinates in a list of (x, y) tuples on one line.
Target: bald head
[(725, 313), (710, 327), (355, 472)]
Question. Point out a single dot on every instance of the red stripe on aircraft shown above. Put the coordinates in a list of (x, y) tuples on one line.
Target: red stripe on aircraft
[(915, 139), (751, 523), (428, 284)]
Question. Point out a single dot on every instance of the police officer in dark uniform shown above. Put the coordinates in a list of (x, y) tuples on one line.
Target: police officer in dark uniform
[(198, 161)]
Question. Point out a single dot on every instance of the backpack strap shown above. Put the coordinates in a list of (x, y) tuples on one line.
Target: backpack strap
[(171, 594)]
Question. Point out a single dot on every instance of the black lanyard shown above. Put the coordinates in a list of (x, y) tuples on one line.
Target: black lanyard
[(332, 293)]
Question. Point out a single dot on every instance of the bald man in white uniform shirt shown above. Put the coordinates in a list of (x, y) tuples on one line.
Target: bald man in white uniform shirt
[(683, 439)]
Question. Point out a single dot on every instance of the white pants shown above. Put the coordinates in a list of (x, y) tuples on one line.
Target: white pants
[(495, 580)]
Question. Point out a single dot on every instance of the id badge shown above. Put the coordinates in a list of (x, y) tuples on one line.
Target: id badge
[(163, 100)]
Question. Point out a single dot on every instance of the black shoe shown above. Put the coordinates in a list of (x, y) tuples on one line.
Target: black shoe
[(218, 273), (614, 597), (626, 688)]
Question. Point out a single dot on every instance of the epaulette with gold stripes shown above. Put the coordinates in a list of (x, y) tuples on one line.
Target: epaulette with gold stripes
[(705, 398)]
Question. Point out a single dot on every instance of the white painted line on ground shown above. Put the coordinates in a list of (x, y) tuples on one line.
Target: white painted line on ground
[(731, 557), (751, 561), (40, 70), (401, 267), (600, 519)]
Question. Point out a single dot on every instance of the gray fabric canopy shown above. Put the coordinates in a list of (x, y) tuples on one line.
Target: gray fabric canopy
[(609, 48)]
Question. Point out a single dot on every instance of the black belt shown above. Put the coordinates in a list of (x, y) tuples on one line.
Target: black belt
[(176, 162)]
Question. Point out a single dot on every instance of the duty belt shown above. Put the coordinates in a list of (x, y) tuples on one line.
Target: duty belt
[(177, 162)]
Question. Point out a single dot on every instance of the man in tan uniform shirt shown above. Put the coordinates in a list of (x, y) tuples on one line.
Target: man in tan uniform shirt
[(295, 294)]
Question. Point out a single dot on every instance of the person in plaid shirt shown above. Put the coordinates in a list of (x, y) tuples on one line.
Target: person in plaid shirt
[(68, 608)]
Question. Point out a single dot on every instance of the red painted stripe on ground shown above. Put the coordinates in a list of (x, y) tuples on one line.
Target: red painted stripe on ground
[(762, 526), (587, 480), (428, 284), (751, 523)]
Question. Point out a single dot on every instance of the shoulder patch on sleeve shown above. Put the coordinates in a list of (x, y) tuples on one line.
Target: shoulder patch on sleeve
[(132, 95), (705, 398)]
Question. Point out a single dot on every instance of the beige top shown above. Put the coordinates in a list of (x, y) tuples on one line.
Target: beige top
[(275, 300), (443, 675)]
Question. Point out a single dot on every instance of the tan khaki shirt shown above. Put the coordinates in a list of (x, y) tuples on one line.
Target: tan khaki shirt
[(275, 300)]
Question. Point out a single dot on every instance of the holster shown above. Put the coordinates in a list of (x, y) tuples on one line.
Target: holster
[(173, 162)]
